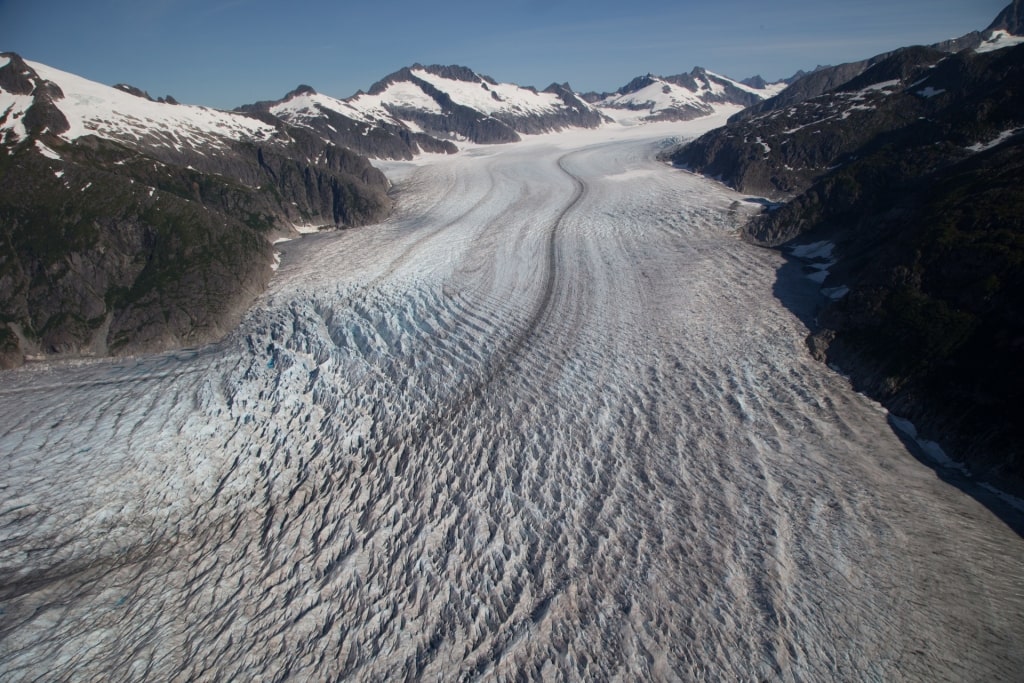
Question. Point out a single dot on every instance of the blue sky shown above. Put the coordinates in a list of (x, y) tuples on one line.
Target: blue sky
[(225, 53)]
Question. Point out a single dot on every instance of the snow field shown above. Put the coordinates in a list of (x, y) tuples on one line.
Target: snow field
[(97, 109)]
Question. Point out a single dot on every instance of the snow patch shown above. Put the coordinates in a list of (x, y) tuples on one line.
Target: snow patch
[(998, 41), (47, 152), (412, 126), (930, 91), (884, 85), (931, 449), (996, 141)]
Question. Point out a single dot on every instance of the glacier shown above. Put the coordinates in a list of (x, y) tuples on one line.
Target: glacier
[(548, 421)]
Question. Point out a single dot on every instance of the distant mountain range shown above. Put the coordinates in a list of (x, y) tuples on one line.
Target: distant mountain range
[(431, 108), (681, 98), (899, 180), (132, 223)]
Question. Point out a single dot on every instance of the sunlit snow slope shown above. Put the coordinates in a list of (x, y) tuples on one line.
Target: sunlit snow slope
[(547, 422)]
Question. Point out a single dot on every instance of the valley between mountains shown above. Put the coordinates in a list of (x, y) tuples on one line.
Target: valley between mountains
[(546, 421)]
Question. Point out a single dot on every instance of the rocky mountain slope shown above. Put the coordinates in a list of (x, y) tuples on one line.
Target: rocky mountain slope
[(682, 97), (902, 186), (134, 224)]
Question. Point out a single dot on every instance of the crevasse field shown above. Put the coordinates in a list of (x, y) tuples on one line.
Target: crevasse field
[(548, 422)]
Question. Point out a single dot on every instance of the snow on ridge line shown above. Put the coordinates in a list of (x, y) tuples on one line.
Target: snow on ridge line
[(93, 108), (661, 94), (478, 95), (363, 108), (655, 97), (768, 91), (398, 94)]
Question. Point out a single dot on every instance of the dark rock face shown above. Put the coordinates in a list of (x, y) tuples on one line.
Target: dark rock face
[(782, 150), (913, 167), (118, 246), (16, 76), (1011, 19), (934, 323), (132, 90), (755, 82)]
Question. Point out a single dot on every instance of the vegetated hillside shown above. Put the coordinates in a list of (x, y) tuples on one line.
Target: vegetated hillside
[(933, 323), (130, 224), (914, 170)]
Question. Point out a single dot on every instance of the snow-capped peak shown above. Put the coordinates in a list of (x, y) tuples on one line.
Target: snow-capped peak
[(305, 104), (686, 96), (92, 108)]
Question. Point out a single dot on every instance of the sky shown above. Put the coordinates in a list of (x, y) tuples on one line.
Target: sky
[(225, 53)]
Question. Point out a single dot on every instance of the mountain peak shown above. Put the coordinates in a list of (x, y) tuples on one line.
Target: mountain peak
[(1011, 19), (303, 89), (454, 72), (16, 77), (132, 90), (756, 82)]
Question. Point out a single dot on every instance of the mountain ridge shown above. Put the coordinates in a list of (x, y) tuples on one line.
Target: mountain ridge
[(897, 188), (680, 97)]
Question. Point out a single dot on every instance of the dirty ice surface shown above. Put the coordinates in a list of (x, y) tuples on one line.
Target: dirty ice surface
[(547, 422)]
